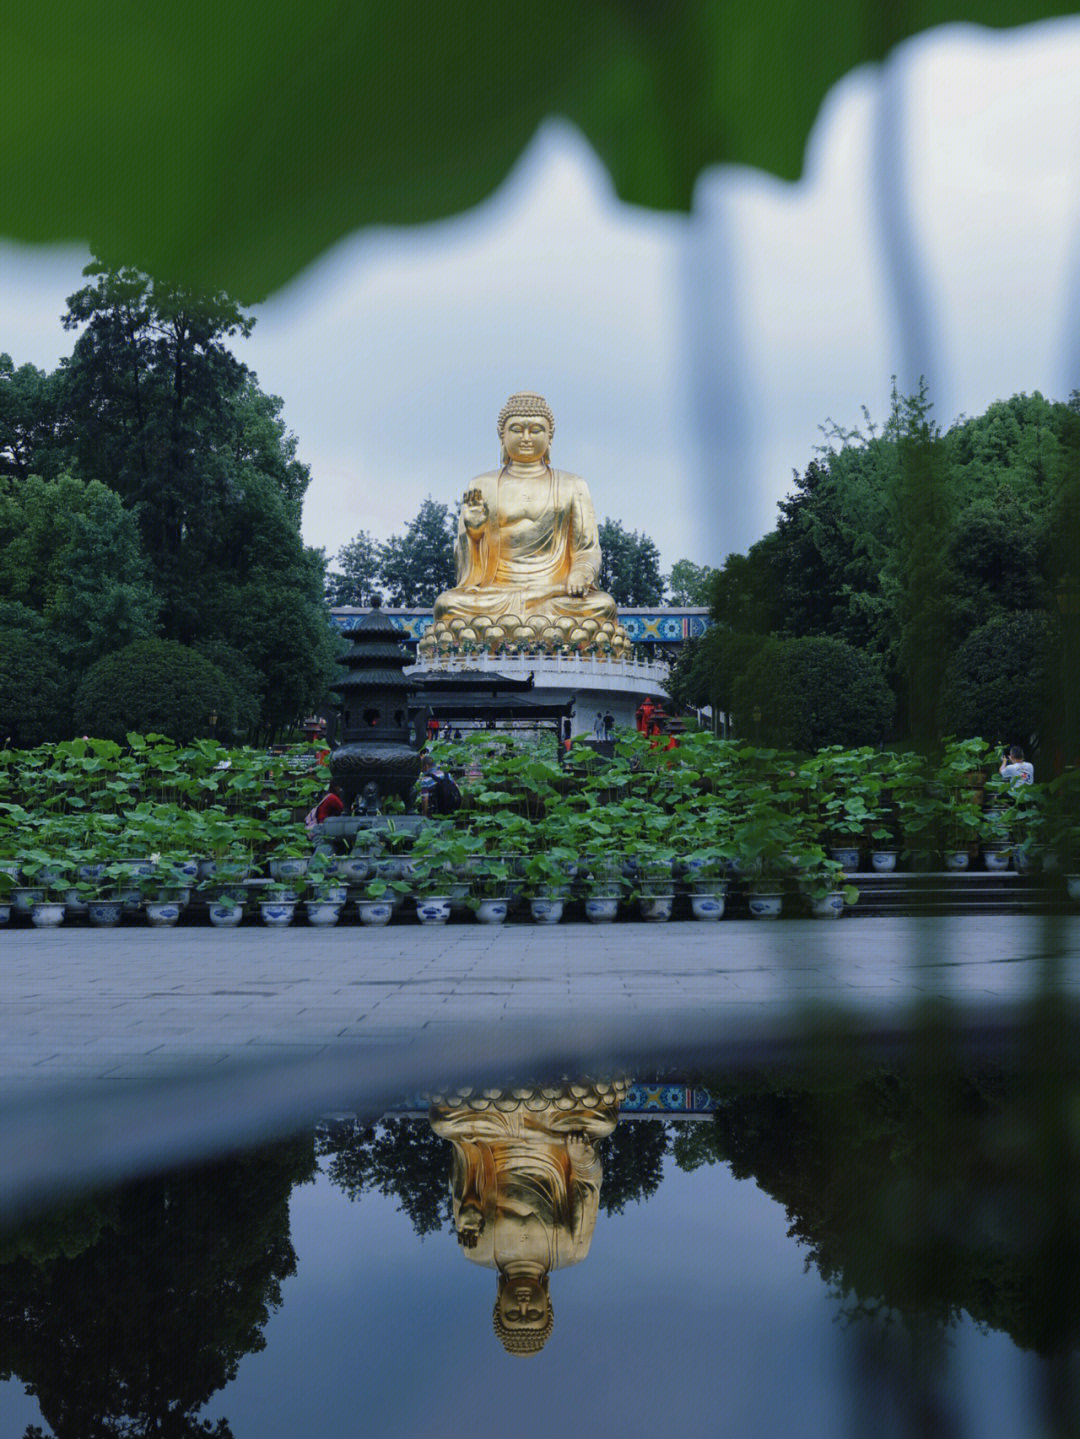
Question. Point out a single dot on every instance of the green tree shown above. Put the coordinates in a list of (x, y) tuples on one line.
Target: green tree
[(998, 682), (832, 540), (743, 594), (161, 410), (415, 567), (70, 552), (156, 395), (997, 555), (689, 584), (958, 1149), (630, 566), (292, 646), (357, 574), (154, 686), (813, 692), (707, 669), (920, 579), (35, 699), (33, 439)]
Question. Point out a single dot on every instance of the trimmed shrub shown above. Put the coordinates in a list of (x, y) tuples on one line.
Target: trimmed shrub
[(814, 692), (997, 684), (34, 698), (154, 687)]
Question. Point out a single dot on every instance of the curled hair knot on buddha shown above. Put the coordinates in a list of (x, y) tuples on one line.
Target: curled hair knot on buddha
[(530, 405), (523, 1342)]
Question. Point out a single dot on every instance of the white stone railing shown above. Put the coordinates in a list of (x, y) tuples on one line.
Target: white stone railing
[(570, 671)]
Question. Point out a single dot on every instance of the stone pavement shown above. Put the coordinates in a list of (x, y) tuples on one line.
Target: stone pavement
[(130, 1004)]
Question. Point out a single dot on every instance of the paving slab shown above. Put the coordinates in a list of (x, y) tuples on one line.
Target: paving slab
[(135, 1002)]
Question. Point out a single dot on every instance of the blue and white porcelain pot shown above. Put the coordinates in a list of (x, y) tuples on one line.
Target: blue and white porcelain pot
[(47, 915), (225, 914), (655, 907), (104, 913), (433, 909), (546, 910), (601, 908), (374, 911), (277, 913), (830, 906), (492, 911), (322, 912), (846, 855), (163, 913), (764, 905), (707, 906)]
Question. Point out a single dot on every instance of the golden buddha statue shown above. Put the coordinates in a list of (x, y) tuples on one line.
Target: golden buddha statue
[(525, 1185), (528, 551)]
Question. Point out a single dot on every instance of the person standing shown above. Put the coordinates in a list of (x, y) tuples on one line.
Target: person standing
[(1015, 767), (598, 725), (609, 726)]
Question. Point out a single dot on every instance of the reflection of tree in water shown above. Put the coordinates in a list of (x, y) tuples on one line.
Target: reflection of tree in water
[(124, 1316), (401, 1158), (919, 1193), (633, 1160), (406, 1160)]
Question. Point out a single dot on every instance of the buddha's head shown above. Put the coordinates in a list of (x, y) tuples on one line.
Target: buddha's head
[(523, 1316), (526, 428)]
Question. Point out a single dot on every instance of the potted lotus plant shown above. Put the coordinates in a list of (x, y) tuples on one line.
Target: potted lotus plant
[(375, 901), (825, 890), (546, 882), (162, 890), (490, 885), (603, 886), (7, 884), (431, 878), (49, 876)]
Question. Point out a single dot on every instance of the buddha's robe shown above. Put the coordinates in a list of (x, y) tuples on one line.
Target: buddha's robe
[(515, 566), (538, 1205)]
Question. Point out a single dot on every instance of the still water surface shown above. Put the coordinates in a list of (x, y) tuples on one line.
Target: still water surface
[(852, 1253)]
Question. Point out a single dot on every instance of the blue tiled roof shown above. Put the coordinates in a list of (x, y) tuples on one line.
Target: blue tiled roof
[(661, 624)]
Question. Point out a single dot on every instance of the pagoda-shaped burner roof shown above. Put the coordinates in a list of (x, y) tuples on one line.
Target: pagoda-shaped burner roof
[(375, 658)]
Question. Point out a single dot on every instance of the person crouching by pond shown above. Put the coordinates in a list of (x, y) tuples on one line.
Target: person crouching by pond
[(329, 807)]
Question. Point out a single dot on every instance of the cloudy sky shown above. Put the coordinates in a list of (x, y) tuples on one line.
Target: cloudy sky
[(689, 360)]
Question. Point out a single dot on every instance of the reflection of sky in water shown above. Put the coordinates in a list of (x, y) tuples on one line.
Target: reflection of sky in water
[(691, 1314)]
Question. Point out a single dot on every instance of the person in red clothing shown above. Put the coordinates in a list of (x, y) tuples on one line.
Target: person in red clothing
[(330, 805)]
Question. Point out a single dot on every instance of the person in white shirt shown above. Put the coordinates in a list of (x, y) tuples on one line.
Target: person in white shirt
[(1015, 767)]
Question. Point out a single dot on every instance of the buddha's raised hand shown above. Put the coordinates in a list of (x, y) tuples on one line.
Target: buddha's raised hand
[(474, 509)]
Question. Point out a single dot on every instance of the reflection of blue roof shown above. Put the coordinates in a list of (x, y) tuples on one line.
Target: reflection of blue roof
[(645, 1096), (661, 624)]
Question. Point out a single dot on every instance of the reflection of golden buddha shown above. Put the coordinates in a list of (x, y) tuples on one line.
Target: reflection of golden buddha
[(526, 1187), (528, 551)]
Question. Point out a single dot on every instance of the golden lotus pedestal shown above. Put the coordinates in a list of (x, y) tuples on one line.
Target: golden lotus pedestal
[(549, 634)]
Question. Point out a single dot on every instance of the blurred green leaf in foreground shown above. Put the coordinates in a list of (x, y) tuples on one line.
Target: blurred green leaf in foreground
[(225, 144)]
